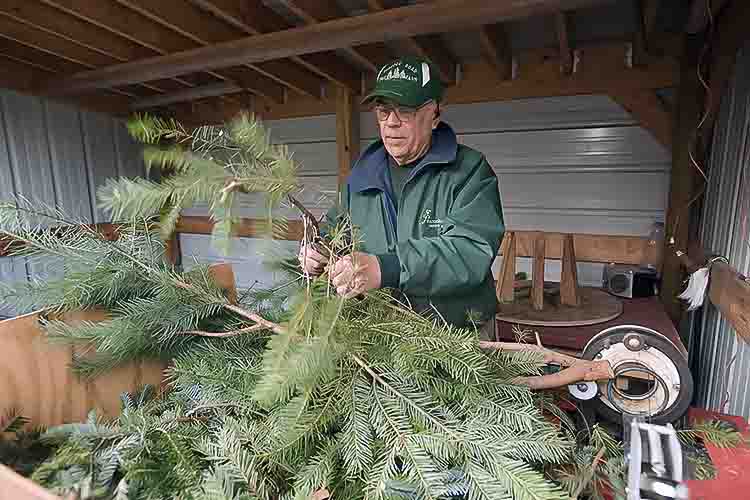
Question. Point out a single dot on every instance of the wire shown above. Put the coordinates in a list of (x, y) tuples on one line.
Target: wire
[(728, 394), (696, 134)]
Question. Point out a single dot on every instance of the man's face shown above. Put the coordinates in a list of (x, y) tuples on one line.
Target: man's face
[(406, 135)]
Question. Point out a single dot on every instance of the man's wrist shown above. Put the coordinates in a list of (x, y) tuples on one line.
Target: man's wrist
[(390, 270)]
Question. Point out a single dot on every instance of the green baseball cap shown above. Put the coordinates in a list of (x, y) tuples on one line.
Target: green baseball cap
[(409, 81)]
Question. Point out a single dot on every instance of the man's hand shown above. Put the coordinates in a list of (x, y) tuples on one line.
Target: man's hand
[(355, 274), (312, 261)]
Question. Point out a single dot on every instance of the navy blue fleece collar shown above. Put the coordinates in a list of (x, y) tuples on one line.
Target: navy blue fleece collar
[(371, 170)]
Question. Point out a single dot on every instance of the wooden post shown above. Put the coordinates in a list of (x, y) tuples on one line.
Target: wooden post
[(684, 175), (347, 132), (506, 278), (537, 276), (172, 250), (569, 278)]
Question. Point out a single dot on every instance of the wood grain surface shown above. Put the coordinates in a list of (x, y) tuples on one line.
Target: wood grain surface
[(36, 379)]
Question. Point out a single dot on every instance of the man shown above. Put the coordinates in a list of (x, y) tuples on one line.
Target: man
[(427, 208)]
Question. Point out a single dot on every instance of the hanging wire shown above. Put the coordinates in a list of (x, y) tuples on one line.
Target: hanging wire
[(707, 106)]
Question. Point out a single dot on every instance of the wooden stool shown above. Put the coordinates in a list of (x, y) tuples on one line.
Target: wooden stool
[(576, 305)]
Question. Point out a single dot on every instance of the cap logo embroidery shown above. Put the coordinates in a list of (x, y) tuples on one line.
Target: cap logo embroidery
[(397, 71)]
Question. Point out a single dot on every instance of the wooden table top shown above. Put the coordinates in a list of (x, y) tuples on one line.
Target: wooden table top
[(648, 312)]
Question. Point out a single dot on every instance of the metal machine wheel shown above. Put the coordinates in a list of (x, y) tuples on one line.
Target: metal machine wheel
[(652, 377)]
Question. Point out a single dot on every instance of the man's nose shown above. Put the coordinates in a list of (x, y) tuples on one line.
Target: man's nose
[(393, 120)]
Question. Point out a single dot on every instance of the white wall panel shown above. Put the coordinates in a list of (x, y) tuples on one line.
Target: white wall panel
[(57, 154)]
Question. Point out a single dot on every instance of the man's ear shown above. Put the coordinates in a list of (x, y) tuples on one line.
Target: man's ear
[(436, 118)]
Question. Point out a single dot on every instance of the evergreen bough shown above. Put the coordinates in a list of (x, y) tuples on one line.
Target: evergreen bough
[(287, 393)]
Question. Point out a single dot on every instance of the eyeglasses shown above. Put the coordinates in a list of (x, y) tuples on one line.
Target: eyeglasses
[(403, 113)]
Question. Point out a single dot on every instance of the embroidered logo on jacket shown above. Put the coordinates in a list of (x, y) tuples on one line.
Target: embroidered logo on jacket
[(426, 219)]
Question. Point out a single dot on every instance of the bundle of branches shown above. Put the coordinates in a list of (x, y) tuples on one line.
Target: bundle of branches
[(290, 392)]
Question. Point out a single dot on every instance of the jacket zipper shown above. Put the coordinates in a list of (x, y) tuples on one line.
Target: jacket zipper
[(390, 233)]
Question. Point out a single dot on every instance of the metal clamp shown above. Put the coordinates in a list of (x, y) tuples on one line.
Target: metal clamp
[(655, 461)]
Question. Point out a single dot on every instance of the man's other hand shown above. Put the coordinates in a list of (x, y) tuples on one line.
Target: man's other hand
[(311, 259), (355, 274)]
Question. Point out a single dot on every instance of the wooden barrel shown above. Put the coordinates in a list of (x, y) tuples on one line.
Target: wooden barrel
[(37, 382)]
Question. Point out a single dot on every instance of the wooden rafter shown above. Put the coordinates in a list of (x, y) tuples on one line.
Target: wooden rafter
[(496, 49), (370, 56), (684, 177), (312, 12), (646, 107), (141, 30), (347, 133), (255, 18), (75, 39), (645, 22), (195, 93), (402, 22), (604, 73), (649, 10), (22, 77), (194, 24), (587, 247), (563, 40), (427, 46)]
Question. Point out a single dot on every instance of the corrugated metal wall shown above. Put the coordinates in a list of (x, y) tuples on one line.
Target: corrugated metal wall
[(575, 164), (58, 154), (723, 362)]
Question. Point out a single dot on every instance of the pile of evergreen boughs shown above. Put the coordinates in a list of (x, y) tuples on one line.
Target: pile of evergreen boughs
[(290, 392)]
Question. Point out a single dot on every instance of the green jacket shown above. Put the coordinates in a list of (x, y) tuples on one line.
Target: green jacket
[(437, 244)]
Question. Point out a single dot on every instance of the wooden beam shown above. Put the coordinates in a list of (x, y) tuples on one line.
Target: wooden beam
[(312, 12), (254, 18), (684, 176), (61, 48), (247, 228), (430, 47), (141, 30), (50, 42), (506, 279), (730, 293), (698, 17), (496, 50), (639, 44), (37, 58), (203, 29), (217, 89), (537, 273), (74, 38), (347, 133), (23, 78), (646, 107), (603, 73), (731, 35), (587, 247), (445, 15), (649, 10), (563, 41), (569, 277)]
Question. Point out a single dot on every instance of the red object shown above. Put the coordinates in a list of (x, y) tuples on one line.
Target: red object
[(732, 480), (648, 312)]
